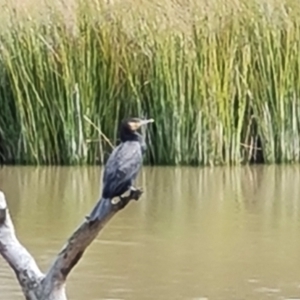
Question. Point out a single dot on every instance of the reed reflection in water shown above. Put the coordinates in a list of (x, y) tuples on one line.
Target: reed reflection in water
[(196, 233)]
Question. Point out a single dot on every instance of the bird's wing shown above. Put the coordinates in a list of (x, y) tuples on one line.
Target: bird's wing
[(123, 165)]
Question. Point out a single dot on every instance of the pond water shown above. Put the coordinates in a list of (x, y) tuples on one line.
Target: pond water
[(197, 233)]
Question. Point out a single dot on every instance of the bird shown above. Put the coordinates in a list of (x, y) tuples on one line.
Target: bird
[(122, 166)]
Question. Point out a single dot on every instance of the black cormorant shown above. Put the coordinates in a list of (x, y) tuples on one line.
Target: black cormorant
[(123, 165)]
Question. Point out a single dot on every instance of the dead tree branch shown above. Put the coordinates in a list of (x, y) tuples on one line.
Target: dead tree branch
[(51, 286)]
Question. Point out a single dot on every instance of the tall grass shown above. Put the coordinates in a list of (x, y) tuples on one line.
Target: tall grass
[(220, 78)]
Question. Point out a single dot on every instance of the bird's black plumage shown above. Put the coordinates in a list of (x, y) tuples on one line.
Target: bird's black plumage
[(122, 167)]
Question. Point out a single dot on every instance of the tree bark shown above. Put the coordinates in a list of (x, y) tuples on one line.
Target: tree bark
[(51, 286)]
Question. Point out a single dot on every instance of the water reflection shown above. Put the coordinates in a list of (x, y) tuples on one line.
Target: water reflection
[(215, 233)]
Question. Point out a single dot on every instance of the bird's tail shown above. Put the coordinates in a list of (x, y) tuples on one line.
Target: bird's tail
[(100, 210)]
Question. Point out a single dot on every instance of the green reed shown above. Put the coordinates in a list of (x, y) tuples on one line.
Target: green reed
[(221, 82)]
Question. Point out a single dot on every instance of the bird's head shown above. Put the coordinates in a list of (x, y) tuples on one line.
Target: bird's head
[(133, 124)]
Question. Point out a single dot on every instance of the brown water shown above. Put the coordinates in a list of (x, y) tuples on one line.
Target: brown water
[(222, 233)]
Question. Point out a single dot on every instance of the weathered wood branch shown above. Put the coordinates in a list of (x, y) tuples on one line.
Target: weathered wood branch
[(20, 260), (51, 286)]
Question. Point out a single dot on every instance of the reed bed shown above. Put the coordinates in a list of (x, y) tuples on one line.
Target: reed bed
[(220, 78)]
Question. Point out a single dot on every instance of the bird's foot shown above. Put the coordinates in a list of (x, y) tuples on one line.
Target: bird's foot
[(132, 188), (122, 201), (135, 193)]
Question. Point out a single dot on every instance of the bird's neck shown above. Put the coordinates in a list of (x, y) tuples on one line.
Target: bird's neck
[(134, 137), (131, 136)]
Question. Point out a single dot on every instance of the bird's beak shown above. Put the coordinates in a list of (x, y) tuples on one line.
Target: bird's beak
[(144, 122)]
